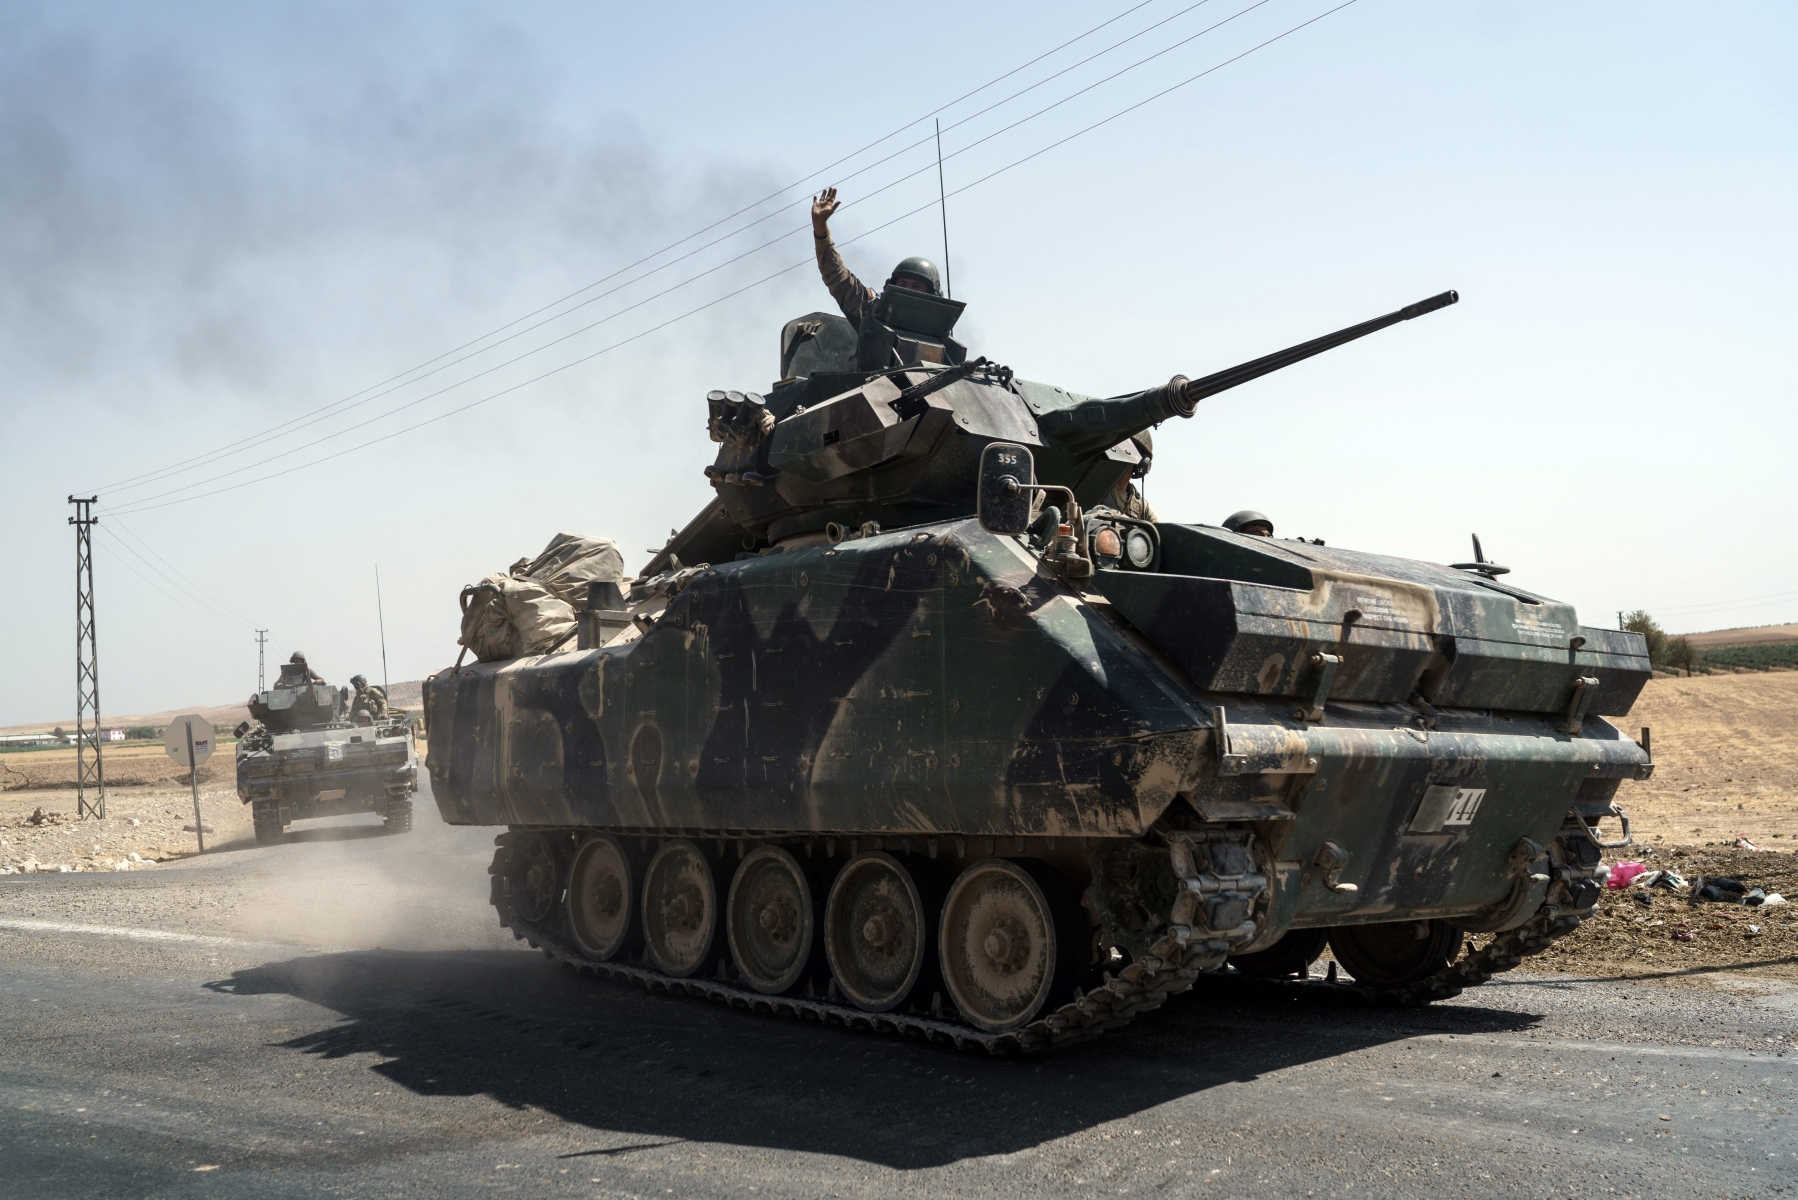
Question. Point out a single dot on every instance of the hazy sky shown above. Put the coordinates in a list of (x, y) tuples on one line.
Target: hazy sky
[(218, 218)]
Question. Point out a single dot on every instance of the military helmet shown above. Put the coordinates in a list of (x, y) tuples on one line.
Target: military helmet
[(1145, 445), (1237, 522), (299, 657), (360, 681), (922, 269)]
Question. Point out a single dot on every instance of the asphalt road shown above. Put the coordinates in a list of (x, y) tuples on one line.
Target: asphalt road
[(340, 1016)]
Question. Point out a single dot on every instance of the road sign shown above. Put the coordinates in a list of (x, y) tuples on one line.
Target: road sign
[(188, 740), (174, 740)]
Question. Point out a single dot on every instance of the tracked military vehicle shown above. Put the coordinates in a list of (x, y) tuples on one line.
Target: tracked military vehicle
[(907, 730), (300, 757)]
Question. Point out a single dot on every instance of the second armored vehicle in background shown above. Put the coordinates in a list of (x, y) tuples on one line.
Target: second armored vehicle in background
[(301, 757)]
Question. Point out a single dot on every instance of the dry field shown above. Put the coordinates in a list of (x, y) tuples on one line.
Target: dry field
[(1726, 759), (128, 765), (1715, 638)]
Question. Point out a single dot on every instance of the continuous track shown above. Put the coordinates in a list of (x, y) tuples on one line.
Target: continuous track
[(1172, 965)]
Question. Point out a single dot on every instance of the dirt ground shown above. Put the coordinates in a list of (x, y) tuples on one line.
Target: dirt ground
[(1637, 934), (142, 821)]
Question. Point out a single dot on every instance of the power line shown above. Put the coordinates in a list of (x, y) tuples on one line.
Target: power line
[(192, 589), (145, 503), (144, 506), (188, 594), (342, 406), (1749, 600), (646, 258), (173, 597)]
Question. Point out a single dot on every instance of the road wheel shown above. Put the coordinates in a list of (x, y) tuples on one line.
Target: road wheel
[(398, 818), (876, 931), (1005, 955), (1395, 955), (1291, 955), (680, 910), (602, 897), (532, 880), (266, 814), (770, 920)]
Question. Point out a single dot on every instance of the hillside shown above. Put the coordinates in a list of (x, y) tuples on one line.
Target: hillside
[(408, 695), (1716, 639)]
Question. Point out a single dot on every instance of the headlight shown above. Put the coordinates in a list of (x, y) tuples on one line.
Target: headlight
[(1139, 548)]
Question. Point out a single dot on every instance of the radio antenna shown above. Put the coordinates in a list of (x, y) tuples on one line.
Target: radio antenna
[(381, 616), (942, 200)]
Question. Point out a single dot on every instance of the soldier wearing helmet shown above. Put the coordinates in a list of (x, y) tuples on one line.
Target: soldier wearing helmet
[(1125, 497), (1250, 522), (854, 297), (298, 672), (369, 700)]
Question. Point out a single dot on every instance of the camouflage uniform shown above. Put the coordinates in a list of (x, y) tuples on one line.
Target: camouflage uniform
[(854, 297), (298, 674), (371, 700), (1127, 500)]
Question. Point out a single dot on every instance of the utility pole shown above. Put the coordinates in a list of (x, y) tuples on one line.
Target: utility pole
[(87, 667), (261, 642)]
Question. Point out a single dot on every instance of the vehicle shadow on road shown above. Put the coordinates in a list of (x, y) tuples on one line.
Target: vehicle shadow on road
[(641, 1068)]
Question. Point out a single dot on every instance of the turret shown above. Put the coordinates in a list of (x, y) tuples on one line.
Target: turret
[(836, 446)]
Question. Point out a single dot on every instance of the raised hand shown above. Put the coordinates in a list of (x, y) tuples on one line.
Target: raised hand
[(823, 205)]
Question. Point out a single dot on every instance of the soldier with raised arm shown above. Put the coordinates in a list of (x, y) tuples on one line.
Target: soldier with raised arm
[(854, 297)]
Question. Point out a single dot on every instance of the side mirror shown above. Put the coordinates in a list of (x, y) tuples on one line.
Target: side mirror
[(1006, 474)]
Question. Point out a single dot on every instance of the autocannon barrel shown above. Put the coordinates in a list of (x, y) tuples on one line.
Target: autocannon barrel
[(1096, 425)]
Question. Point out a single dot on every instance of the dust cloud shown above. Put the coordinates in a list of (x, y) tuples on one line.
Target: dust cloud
[(346, 883)]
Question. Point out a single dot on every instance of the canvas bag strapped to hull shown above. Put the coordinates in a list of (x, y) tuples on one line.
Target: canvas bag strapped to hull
[(503, 618), (570, 562)]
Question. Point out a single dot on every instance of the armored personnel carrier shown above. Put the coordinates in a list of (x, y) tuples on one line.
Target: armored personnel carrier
[(299, 757), (908, 730)]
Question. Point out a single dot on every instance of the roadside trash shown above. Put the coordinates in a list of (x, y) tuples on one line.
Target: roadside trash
[(1711, 892), (1754, 931), (1682, 933), (1755, 897), (1725, 884), (1622, 873), (1743, 843), (1671, 880), (1643, 898), (1773, 899)]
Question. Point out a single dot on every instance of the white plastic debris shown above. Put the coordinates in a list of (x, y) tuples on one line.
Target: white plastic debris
[(1772, 899)]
